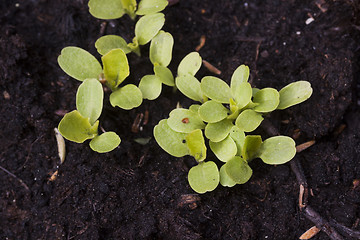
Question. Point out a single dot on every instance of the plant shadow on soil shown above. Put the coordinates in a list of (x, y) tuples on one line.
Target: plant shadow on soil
[(140, 192)]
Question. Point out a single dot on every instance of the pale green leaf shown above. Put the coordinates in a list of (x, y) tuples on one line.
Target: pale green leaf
[(277, 150), (89, 99), (268, 100), (172, 142), (294, 93), (106, 9), (184, 120), (148, 26), (129, 7), (134, 46), (142, 141), (127, 97), (151, 6), (190, 64), (79, 64), (248, 120), (239, 137), (251, 147), (204, 177), (240, 75), (109, 42), (196, 144), (150, 86), (242, 94), (161, 49), (234, 110), (225, 149), (105, 142), (190, 87), (165, 75), (218, 131), (76, 128), (116, 67), (194, 108), (225, 180), (212, 111), (238, 170), (216, 89)]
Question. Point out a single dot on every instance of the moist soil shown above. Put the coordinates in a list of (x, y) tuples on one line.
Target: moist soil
[(141, 192)]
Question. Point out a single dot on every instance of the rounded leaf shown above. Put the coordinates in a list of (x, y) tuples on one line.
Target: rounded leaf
[(238, 170), (218, 131), (106, 9), (151, 6), (89, 99), (148, 26), (225, 180), (190, 87), (79, 64), (216, 89), (150, 86), (277, 150), (212, 111), (190, 64), (127, 97), (194, 108), (105, 142), (242, 94), (204, 177), (294, 93), (268, 100), (240, 75), (196, 145), (184, 120), (225, 149), (248, 120), (74, 127), (116, 67), (161, 49), (165, 75), (251, 147), (109, 42), (239, 138), (172, 142)]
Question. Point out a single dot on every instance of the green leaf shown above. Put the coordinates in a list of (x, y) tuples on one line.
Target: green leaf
[(248, 120), (129, 7), (204, 177), (239, 138), (89, 99), (151, 6), (184, 120), (105, 142), (190, 64), (216, 89), (218, 131), (116, 67), (196, 144), (148, 26), (134, 46), (238, 170), (150, 86), (277, 150), (127, 97), (106, 9), (194, 108), (225, 149), (268, 100), (240, 75), (242, 94), (294, 93), (161, 49), (76, 128), (172, 142), (190, 87), (225, 180), (213, 112), (251, 147), (109, 42), (165, 75), (79, 64)]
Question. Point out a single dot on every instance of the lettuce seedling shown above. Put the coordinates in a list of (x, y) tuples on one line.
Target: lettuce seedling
[(226, 114)]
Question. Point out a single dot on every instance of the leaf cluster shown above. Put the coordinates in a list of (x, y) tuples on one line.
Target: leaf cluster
[(225, 115)]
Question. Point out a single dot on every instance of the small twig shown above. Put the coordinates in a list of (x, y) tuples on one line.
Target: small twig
[(345, 230), (14, 176)]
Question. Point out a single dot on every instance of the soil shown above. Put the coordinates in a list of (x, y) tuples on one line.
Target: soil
[(139, 191)]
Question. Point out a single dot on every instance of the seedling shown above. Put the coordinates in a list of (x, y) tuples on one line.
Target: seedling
[(226, 113)]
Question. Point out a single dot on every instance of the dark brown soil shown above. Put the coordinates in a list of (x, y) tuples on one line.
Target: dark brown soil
[(137, 192)]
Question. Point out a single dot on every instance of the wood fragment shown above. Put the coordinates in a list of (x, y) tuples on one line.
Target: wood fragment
[(303, 194), (345, 230), (61, 145), (211, 68), (146, 117), (6, 95), (53, 176), (303, 146), (136, 124), (201, 43), (189, 200), (310, 233)]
